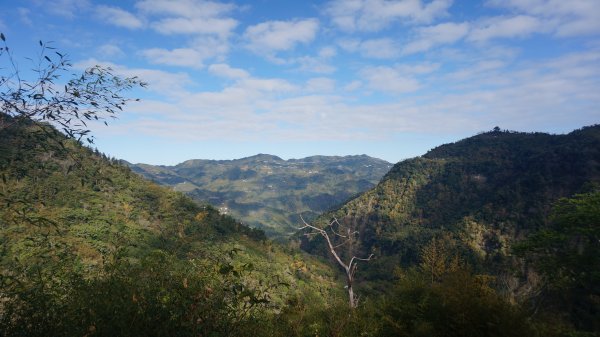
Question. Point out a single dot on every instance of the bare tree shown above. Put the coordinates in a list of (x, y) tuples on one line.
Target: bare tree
[(347, 235)]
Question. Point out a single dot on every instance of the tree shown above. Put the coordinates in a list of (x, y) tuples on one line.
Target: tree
[(96, 94), (567, 254), (348, 238), (438, 259)]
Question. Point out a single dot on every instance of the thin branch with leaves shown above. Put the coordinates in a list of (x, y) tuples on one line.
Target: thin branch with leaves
[(97, 94)]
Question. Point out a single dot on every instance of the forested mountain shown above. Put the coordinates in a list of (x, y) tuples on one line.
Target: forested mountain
[(268, 192), (476, 199), (88, 247)]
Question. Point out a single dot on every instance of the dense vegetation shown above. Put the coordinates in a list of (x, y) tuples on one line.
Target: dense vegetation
[(267, 192), (482, 196), (90, 248)]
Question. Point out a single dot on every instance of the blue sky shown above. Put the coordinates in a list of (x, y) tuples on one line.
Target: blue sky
[(390, 79)]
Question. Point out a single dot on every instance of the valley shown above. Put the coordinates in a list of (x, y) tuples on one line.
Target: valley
[(327, 168), (80, 229)]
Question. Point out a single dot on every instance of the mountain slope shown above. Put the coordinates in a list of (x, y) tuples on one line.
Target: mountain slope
[(480, 194), (89, 247), (268, 192)]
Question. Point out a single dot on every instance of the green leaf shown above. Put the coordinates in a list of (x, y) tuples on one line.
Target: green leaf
[(225, 269)]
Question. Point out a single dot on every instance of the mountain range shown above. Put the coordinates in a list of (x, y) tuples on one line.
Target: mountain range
[(270, 193), (492, 235)]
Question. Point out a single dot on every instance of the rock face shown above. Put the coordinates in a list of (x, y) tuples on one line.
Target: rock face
[(268, 192)]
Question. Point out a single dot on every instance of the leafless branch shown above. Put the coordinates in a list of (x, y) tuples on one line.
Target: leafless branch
[(351, 266)]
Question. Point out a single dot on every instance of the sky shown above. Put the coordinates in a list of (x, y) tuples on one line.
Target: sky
[(387, 78)]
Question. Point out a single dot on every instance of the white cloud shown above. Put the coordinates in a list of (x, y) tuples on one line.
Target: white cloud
[(388, 79), (168, 84), (273, 36), (479, 72), (210, 46), (65, 8), (190, 16), (506, 27), (327, 52), (24, 16), (185, 8), (429, 37), (118, 17), (380, 48), (320, 85), (384, 48), (350, 45), (268, 85), (217, 26), (375, 15), (320, 64), (563, 90), (224, 70), (418, 69), (198, 51), (317, 65), (564, 18), (183, 57), (354, 85), (110, 50)]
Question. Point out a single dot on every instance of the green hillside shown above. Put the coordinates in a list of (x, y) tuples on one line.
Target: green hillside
[(270, 193), (498, 185), (90, 248), (476, 199)]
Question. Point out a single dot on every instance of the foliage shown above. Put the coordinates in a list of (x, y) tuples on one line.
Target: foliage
[(160, 295), (567, 254), (459, 304), (94, 95), (475, 199), (270, 193), (88, 247), (486, 192)]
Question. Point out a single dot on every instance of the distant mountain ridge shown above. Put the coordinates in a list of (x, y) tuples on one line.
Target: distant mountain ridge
[(268, 192)]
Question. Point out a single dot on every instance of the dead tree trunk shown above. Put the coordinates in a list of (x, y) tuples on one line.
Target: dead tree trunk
[(350, 267)]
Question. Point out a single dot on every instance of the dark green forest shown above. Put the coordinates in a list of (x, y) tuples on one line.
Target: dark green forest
[(496, 203), (495, 235)]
